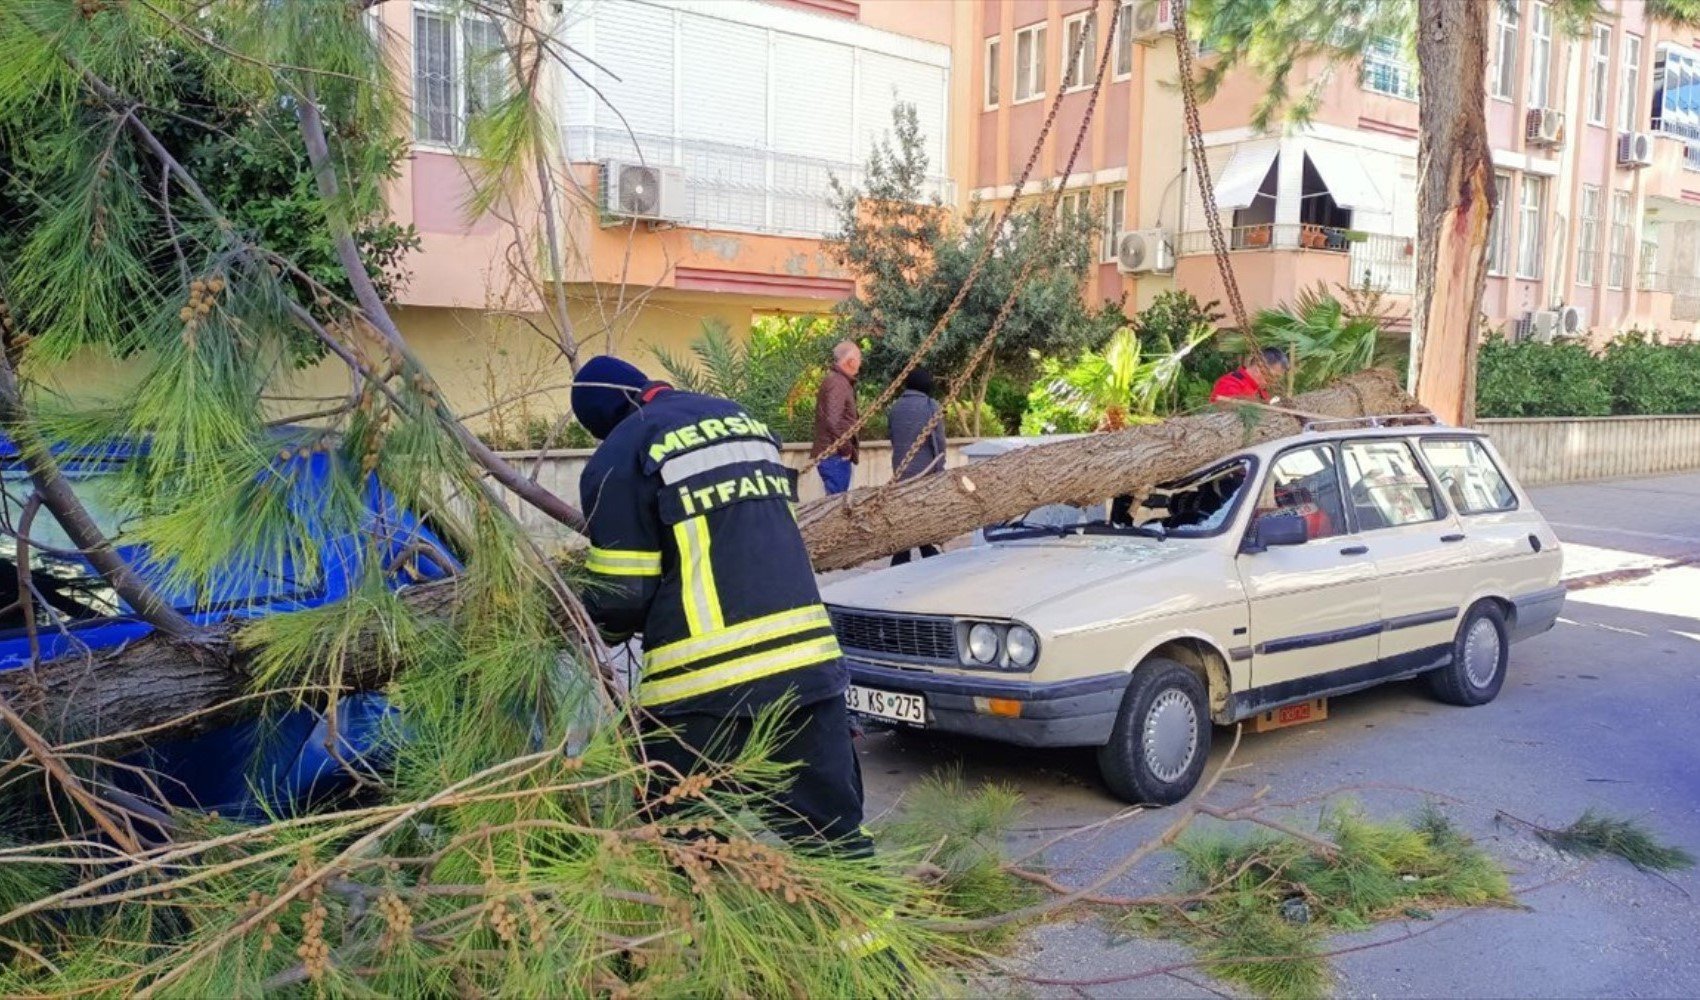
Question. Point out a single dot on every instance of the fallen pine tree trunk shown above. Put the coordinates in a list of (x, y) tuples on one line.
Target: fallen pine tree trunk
[(183, 688), (871, 522)]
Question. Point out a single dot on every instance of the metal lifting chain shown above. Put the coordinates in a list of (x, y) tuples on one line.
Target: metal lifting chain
[(890, 391), (1048, 213), (1201, 166)]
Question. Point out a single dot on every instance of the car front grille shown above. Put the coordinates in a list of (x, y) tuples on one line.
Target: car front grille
[(910, 636)]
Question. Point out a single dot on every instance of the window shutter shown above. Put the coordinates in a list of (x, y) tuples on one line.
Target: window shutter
[(723, 103), (634, 57)]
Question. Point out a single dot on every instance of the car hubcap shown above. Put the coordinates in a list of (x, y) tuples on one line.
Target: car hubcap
[(1481, 653), (1171, 735)]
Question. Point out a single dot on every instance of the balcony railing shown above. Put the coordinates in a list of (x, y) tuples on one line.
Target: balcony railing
[(1387, 263), (1691, 156), (1685, 285), (741, 187)]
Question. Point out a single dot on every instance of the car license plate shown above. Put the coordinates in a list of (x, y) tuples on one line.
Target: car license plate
[(892, 705)]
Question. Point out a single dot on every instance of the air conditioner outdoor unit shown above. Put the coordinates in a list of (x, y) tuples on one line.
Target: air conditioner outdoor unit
[(1572, 322), (1144, 250), (1543, 325), (1545, 127), (1153, 18), (642, 191), (1635, 149)]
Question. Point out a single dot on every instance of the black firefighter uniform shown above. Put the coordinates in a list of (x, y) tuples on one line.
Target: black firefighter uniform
[(695, 544)]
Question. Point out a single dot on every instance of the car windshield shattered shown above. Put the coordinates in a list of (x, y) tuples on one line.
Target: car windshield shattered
[(1193, 507)]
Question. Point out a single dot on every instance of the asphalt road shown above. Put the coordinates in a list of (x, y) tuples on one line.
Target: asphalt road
[(1599, 712)]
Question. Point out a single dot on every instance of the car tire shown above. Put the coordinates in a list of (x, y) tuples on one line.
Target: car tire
[(1480, 651), (1161, 739)]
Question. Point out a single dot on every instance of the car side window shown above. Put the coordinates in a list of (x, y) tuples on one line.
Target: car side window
[(1469, 476), (1386, 485), (62, 582), (1305, 483)]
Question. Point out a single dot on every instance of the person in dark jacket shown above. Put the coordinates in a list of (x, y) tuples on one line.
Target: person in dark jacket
[(693, 544), (909, 415), (835, 414)]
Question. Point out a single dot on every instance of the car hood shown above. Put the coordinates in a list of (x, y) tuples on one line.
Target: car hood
[(1007, 579)]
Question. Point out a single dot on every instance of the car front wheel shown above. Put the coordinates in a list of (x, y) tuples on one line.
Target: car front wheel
[(1479, 655), (1161, 738)]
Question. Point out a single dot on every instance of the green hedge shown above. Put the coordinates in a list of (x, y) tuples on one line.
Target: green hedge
[(1636, 374)]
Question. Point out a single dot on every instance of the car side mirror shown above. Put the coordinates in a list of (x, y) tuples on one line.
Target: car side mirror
[(1280, 530)]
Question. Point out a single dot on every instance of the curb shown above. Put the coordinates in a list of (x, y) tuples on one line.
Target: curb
[(1624, 575)]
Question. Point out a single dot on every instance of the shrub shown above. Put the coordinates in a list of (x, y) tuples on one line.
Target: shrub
[(1646, 376), (959, 420), (773, 374), (1530, 379)]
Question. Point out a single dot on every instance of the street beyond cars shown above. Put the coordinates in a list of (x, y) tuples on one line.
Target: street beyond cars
[(1355, 553)]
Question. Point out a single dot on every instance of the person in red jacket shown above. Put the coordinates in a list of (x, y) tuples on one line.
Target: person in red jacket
[(1253, 380)]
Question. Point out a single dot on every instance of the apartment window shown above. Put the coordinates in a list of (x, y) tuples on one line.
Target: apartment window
[(1387, 71), (1498, 231), (1540, 57), (1628, 98), (994, 51), (1599, 74), (1588, 240), (1074, 204), (1617, 269), (1115, 206), (457, 73), (1124, 41), (1530, 206), (1505, 52), (1030, 63), (1080, 35)]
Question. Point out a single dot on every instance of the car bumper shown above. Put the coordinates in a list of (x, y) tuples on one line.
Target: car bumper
[(1076, 713), (1535, 613)]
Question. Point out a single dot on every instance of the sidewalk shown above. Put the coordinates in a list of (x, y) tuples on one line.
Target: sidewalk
[(1625, 525)]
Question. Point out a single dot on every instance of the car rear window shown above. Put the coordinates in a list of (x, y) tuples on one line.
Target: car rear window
[(1469, 476)]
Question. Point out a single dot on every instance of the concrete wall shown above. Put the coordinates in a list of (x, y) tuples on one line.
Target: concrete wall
[(1567, 449)]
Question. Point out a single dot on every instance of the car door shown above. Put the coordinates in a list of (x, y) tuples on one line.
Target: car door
[(1421, 560), (1315, 607), (1512, 550)]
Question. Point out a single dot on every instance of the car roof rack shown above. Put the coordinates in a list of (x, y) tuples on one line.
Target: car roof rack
[(1385, 420)]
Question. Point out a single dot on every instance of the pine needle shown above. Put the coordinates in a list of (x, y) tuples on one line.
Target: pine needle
[(1594, 834), (1258, 907)]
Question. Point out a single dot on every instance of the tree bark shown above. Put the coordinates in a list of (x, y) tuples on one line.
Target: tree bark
[(871, 522), (160, 681), (1455, 204)]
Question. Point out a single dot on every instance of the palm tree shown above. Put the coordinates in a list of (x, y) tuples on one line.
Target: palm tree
[(1324, 338), (1122, 385)]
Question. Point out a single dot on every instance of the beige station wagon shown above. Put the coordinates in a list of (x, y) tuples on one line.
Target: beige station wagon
[(1354, 553)]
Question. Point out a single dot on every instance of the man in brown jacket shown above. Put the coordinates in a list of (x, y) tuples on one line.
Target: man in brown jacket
[(835, 413)]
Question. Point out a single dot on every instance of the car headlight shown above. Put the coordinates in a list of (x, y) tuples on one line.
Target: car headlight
[(1022, 645), (983, 643)]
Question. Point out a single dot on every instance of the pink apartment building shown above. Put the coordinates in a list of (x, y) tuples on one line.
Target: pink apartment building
[(698, 139), (1600, 198)]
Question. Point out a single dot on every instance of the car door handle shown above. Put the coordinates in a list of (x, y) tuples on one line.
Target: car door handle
[(1355, 550), (1451, 538)]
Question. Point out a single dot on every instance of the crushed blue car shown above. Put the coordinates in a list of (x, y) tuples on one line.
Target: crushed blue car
[(280, 763)]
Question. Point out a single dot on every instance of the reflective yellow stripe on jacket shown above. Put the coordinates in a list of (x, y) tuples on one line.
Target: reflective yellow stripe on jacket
[(742, 670), (696, 573), (623, 562), (673, 656)]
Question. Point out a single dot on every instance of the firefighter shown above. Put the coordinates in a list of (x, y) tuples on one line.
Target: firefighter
[(694, 543)]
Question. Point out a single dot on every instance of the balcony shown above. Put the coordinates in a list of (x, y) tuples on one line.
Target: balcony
[(1674, 174), (739, 187), (1273, 262)]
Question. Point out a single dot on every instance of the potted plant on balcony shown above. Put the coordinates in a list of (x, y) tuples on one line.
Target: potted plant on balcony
[(1256, 236)]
